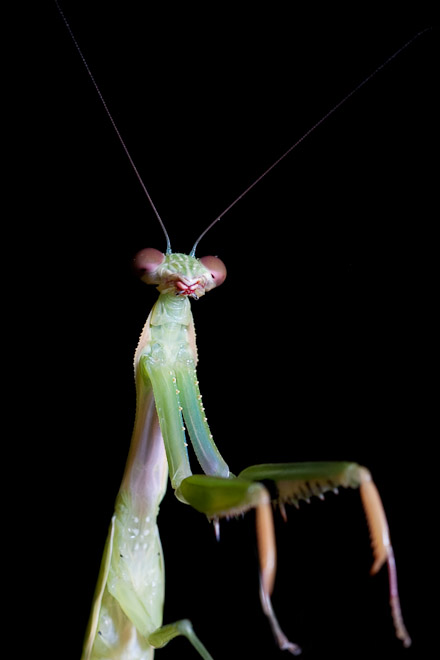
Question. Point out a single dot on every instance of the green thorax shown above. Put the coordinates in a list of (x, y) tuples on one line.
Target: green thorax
[(170, 308)]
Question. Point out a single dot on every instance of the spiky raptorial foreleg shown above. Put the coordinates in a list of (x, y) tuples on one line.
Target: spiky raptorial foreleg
[(268, 562), (217, 498), (299, 481), (382, 548)]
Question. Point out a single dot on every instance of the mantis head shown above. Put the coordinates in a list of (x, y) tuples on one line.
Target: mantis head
[(181, 274)]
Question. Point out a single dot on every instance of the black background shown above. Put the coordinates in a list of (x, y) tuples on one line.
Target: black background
[(318, 346)]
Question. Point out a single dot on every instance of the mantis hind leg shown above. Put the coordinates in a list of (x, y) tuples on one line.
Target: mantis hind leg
[(166, 633)]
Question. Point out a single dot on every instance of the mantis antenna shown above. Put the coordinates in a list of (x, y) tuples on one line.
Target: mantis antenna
[(306, 134), (259, 178), (110, 116)]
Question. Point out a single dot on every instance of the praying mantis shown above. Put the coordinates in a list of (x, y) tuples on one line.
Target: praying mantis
[(216, 436)]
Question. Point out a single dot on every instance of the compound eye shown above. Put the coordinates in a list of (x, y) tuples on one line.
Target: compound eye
[(216, 267), (146, 262)]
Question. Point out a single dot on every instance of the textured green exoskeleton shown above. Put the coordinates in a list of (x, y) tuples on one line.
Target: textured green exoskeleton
[(126, 619)]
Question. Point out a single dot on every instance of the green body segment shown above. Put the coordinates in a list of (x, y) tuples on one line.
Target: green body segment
[(335, 472), (136, 573), (299, 481), (168, 360), (217, 497), (129, 597), (131, 603), (183, 627), (165, 388)]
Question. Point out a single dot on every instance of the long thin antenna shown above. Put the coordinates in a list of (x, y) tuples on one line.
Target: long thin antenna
[(114, 126), (306, 134)]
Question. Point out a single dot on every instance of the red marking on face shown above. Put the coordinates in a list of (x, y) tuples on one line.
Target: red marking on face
[(187, 289)]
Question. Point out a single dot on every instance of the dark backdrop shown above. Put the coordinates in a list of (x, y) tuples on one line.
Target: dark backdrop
[(318, 346)]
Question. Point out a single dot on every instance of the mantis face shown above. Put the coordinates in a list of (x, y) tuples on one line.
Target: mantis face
[(177, 273)]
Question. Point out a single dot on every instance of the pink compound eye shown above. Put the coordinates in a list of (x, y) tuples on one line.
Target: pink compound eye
[(216, 267), (146, 262)]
